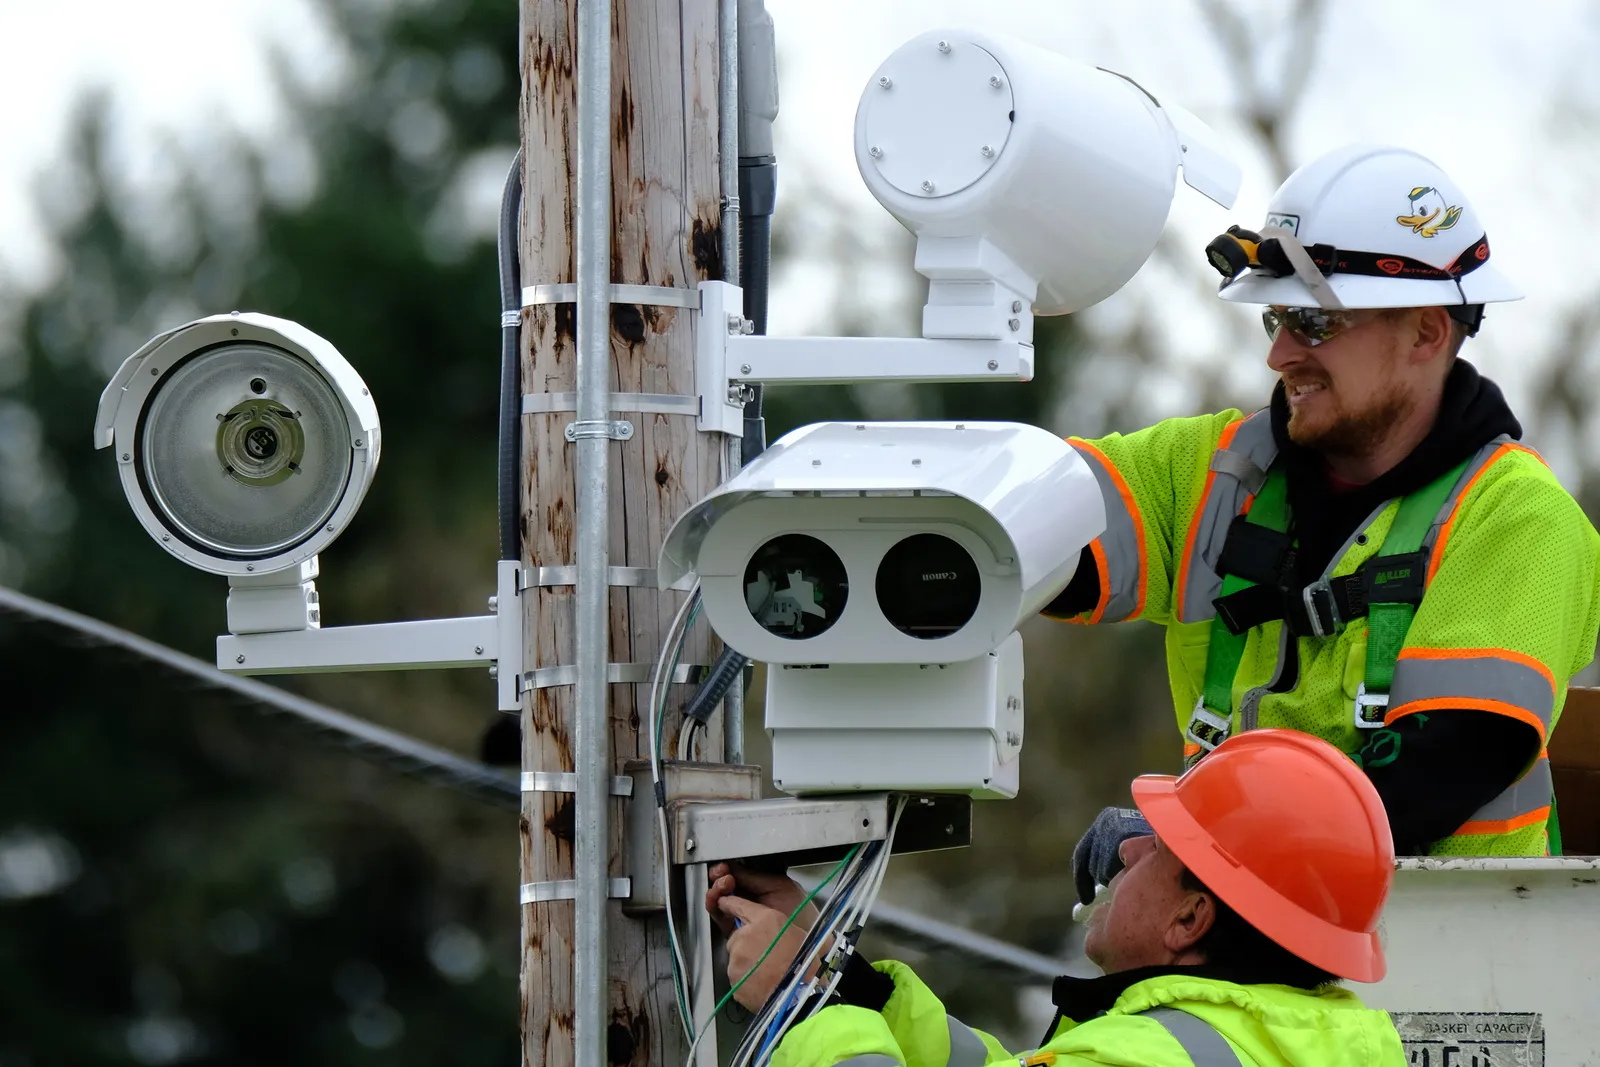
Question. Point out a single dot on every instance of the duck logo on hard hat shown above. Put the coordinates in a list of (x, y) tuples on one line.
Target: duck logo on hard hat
[(1429, 212)]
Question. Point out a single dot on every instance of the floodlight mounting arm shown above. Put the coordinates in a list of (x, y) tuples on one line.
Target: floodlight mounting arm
[(977, 326), (276, 624)]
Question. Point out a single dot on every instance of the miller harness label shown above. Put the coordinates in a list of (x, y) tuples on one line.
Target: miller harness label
[(1471, 1038)]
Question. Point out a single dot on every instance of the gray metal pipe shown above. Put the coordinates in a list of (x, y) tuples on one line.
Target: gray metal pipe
[(591, 727)]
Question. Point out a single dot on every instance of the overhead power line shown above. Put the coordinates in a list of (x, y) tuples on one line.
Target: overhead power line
[(393, 749), (438, 766)]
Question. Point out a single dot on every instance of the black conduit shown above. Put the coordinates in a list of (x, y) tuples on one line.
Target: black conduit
[(510, 442), (758, 195)]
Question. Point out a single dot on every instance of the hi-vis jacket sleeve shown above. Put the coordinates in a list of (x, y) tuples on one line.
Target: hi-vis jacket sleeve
[(911, 1031), (1152, 481), (1510, 614)]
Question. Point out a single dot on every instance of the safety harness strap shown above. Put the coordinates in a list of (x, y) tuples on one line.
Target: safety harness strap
[(1259, 585)]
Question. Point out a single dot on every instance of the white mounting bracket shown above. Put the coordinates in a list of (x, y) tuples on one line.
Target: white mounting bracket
[(726, 356), (493, 641)]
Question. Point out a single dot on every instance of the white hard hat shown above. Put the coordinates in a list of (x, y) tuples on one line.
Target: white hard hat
[(1385, 226)]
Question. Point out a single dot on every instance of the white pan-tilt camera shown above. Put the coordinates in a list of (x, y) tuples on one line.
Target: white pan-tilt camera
[(881, 570), (245, 444)]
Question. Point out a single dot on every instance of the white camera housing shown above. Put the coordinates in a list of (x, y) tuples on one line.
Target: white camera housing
[(245, 443), (1018, 500), (1020, 167), (890, 564)]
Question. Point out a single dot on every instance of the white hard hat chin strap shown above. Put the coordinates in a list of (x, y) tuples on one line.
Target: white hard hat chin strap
[(1305, 270)]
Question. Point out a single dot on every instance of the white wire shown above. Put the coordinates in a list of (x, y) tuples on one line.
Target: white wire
[(840, 924), (671, 648)]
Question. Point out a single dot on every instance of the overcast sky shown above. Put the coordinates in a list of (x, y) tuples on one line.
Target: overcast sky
[(1504, 96)]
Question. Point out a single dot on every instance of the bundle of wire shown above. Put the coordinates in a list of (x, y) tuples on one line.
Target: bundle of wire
[(798, 995)]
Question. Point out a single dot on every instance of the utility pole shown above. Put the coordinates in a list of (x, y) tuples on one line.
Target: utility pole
[(660, 206)]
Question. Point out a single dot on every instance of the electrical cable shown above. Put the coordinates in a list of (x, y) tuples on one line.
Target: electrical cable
[(509, 438), (406, 754), (666, 664), (709, 1023)]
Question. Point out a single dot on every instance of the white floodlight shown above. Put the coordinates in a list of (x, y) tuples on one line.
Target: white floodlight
[(245, 442), (881, 569)]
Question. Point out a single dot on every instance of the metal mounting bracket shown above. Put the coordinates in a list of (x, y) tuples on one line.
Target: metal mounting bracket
[(493, 641), (616, 430), (567, 782), (567, 889), (727, 355)]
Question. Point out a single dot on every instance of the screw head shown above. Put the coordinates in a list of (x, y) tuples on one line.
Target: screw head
[(126, 457), (927, 187), (884, 82), (994, 80), (358, 442), (249, 566), (238, 659), (155, 372), (916, 463), (944, 46), (744, 368), (477, 650), (988, 153), (816, 463), (1015, 324), (875, 152), (994, 364), (494, 603), (1016, 306), (494, 670), (688, 844), (166, 537), (329, 527)]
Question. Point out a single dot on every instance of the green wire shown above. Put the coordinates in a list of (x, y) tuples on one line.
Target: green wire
[(848, 856)]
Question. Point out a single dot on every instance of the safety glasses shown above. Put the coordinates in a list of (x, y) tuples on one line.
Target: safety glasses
[(1309, 326)]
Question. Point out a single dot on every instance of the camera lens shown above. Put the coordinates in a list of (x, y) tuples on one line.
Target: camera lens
[(795, 586), (928, 586)]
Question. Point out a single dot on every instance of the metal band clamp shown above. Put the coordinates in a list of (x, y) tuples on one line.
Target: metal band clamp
[(654, 295), (616, 674), (567, 782), (643, 403), (567, 889), (620, 430), (544, 577)]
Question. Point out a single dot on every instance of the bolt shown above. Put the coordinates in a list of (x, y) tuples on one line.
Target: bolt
[(238, 659), (1015, 324), (155, 372), (166, 537), (747, 327), (494, 603), (688, 845), (916, 463), (944, 46), (358, 442), (875, 152), (744, 368), (988, 153), (364, 392), (494, 670), (994, 364), (927, 187), (249, 566), (477, 650), (816, 463), (126, 457), (884, 82), (994, 80), (734, 323), (1016, 306)]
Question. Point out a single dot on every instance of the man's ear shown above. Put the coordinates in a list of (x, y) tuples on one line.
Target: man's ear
[(1433, 337), (1193, 919)]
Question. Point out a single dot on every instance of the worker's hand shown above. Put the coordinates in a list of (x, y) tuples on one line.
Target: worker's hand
[(758, 926), (1096, 860), (776, 891)]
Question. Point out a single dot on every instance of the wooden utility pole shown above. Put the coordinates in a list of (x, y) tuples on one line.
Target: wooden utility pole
[(665, 232)]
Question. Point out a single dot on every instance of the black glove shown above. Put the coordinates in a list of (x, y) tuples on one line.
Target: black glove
[(1096, 860)]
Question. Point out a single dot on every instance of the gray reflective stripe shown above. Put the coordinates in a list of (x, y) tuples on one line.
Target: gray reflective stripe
[(870, 1059), (1471, 683), (1449, 506), (966, 1048), (1121, 542), (1251, 449), (1530, 793), (1205, 1046), (1227, 461)]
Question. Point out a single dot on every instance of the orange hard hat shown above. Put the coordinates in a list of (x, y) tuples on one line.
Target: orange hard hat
[(1289, 833)]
